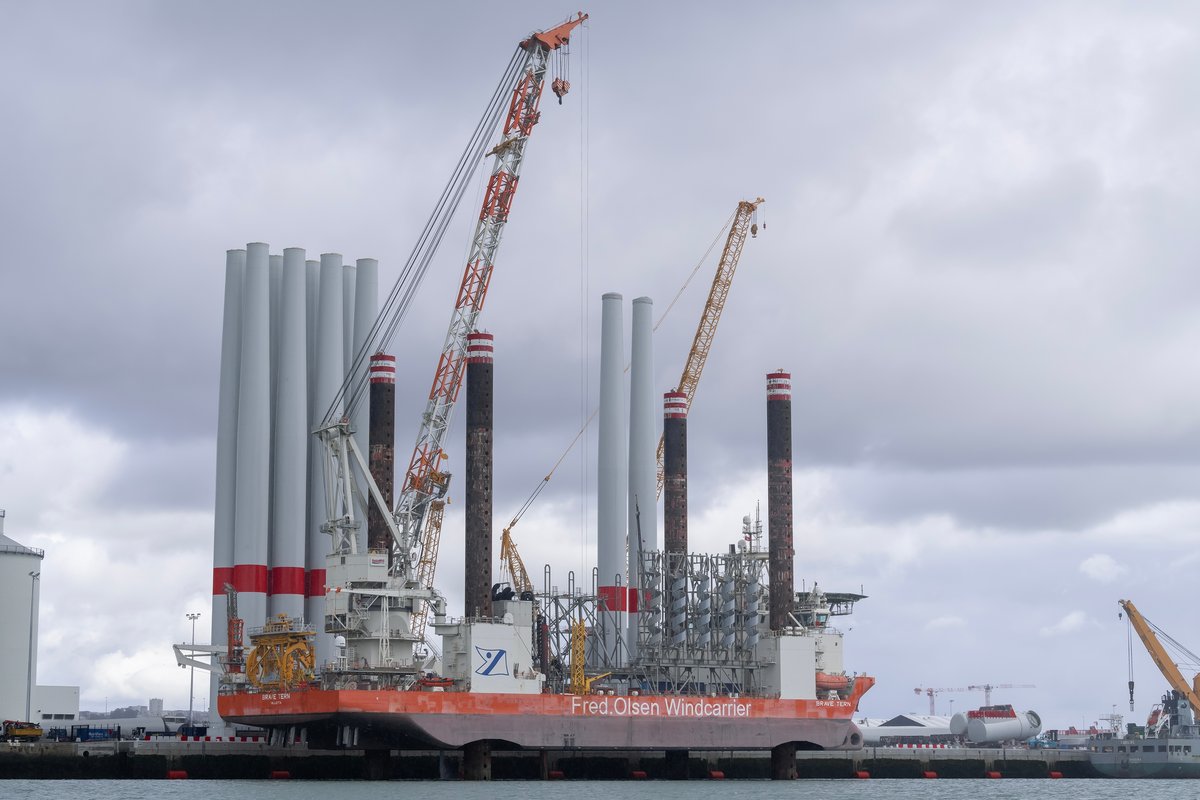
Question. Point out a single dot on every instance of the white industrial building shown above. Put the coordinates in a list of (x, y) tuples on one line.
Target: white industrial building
[(20, 696)]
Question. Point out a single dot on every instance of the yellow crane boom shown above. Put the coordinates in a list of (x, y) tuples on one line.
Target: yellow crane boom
[(1148, 633), (512, 567), (706, 331)]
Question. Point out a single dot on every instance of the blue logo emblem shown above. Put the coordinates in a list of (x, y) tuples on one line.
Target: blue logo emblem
[(495, 662)]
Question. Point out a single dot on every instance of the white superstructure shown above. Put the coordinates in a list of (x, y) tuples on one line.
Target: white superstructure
[(20, 569)]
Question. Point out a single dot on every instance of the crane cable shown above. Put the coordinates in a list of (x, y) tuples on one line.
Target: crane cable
[(1192, 661), (585, 116), (712, 246), (1129, 639), (400, 300)]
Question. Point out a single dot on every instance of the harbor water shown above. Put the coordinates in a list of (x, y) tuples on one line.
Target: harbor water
[(1003, 789)]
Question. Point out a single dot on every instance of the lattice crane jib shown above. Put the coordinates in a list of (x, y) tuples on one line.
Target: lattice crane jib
[(424, 481), (512, 566), (742, 226)]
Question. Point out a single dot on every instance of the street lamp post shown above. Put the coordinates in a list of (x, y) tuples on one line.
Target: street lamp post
[(33, 579), (195, 615)]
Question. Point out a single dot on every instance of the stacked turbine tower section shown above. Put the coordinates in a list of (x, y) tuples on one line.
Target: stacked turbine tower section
[(643, 470), (289, 464), (282, 365), (611, 489), (253, 467)]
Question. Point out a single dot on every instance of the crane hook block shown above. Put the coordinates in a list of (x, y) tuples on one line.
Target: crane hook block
[(560, 87), (754, 230)]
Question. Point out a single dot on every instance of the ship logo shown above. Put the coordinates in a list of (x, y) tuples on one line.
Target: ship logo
[(495, 662)]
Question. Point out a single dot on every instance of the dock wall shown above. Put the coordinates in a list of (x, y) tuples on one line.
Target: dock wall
[(154, 760)]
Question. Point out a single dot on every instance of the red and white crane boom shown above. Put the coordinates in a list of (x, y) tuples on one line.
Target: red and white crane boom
[(424, 482)]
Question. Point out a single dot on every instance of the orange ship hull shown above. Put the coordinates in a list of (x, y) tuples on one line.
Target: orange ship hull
[(555, 721)]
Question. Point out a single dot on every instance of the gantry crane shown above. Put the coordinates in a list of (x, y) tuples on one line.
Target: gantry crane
[(1150, 635), (425, 483), (706, 331)]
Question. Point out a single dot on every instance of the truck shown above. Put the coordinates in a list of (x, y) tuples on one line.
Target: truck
[(17, 731)]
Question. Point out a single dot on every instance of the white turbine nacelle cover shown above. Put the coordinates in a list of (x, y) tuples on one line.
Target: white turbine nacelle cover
[(1021, 726)]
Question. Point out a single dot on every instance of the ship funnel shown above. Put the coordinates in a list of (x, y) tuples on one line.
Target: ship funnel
[(289, 458)]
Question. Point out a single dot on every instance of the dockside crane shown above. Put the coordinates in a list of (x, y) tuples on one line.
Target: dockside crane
[(1156, 642)]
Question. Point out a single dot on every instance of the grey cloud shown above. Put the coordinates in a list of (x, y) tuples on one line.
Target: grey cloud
[(1014, 227)]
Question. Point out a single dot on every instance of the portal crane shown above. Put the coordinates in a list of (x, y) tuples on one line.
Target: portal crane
[(1150, 635), (425, 483), (743, 223)]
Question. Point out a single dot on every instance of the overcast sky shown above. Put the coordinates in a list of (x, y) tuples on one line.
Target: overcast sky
[(979, 262)]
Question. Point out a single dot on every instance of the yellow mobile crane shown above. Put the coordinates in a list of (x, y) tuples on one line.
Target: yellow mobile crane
[(743, 223), (1150, 635)]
